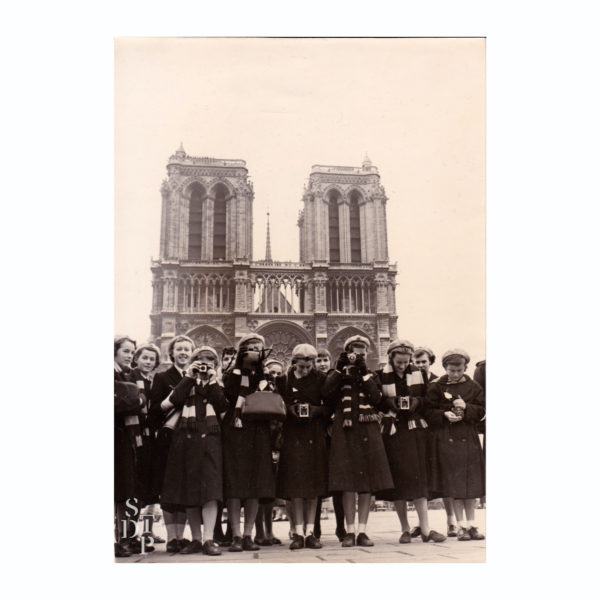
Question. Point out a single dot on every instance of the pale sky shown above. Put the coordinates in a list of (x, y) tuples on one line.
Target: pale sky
[(415, 106)]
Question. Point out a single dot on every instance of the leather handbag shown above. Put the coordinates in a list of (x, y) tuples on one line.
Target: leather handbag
[(264, 406)]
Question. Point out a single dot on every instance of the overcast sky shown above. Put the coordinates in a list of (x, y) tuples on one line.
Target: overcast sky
[(417, 107)]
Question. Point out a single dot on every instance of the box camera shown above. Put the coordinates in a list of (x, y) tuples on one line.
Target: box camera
[(201, 369), (303, 411), (352, 357), (404, 403)]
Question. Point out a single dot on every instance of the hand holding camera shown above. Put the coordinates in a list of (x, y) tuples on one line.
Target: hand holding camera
[(342, 361), (452, 417)]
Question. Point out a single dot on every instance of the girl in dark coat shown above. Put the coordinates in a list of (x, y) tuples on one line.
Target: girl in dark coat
[(247, 460), (455, 405), (127, 437), (405, 437), (193, 475), (424, 358), (302, 476), (163, 419), (357, 460), (145, 361)]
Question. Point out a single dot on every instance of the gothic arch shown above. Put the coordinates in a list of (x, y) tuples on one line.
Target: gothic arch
[(205, 335), (332, 188), (336, 344), (184, 187), (361, 197), (213, 184), (282, 336)]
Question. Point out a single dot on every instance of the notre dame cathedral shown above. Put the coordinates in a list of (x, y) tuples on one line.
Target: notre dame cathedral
[(207, 285)]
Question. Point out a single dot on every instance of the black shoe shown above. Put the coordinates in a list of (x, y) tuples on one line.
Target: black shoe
[(133, 545), (475, 535), (405, 538), (297, 543), (415, 532), (194, 547), (121, 551), (249, 545), (236, 545), (183, 543), (311, 541), (341, 534), (364, 540), (263, 541), (433, 536), (173, 546), (275, 541), (452, 530), (221, 539), (463, 535), (349, 540), (210, 548)]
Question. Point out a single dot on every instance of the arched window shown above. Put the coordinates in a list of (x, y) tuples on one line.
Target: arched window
[(334, 227), (195, 223), (355, 254), (220, 224)]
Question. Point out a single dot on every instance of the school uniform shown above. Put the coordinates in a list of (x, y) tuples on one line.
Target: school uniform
[(357, 459), (303, 469), (247, 459), (162, 423), (194, 469), (407, 448), (457, 461), (126, 437)]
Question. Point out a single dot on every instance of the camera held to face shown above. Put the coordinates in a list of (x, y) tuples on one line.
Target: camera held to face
[(201, 370), (404, 403), (352, 357), (303, 411)]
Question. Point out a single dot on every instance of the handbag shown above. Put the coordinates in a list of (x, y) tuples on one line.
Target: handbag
[(264, 406)]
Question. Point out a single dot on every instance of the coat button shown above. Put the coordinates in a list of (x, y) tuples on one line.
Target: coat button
[(203, 435), (450, 440), (463, 440), (310, 441), (365, 439), (189, 436)]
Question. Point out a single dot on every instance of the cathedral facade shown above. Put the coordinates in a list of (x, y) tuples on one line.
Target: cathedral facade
[(206, 284)]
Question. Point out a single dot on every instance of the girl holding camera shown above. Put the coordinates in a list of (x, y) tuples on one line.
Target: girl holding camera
[(455, 406), (163, 417), (194, 471), (405, 437), (302, 476), (248, 468), (357, 460)]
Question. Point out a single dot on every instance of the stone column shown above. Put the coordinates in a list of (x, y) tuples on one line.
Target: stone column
[(207, 228), (344, 220)]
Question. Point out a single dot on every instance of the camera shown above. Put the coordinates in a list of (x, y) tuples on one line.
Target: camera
[(404, 403), (303, 411), (251, 359), (352, 357), (200, 369), (459, 412)]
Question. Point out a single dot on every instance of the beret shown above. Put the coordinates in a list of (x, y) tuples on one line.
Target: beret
[(357, 339), (250, 337), (403, 346), (273, 361), (455, 353), (306, 351), (196, 353)]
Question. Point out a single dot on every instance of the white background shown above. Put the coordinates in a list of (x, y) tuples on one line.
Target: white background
[(542, 299)]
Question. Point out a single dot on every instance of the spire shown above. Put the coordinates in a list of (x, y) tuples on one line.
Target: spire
[(367, 162), (180, 151), (268, 250)]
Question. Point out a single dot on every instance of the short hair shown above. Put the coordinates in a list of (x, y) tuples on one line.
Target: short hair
[(323, 352), (175, 340), (143, 347), (421, 351), (120, 340)]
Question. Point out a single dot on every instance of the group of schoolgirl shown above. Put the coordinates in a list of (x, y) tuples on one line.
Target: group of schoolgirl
[(182, 440)]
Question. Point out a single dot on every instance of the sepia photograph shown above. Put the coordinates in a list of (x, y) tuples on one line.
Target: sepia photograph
[(300, 307)]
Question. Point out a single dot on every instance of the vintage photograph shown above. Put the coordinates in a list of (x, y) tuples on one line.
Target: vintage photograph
[(300, 342)]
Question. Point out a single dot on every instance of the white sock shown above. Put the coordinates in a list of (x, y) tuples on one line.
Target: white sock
[(350, 528), (310, 528), (462, 524), (451, 520), (470, 524), (299, 529), (362, 528)]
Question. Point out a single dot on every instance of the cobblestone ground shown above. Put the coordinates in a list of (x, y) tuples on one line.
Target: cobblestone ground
[(383, 529)]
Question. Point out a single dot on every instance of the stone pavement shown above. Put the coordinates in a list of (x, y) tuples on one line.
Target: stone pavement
[(383, 529)]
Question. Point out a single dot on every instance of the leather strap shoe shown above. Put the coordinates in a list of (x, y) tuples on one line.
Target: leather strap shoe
[(451, 530), (364, 540), (475, 535), (349, 540), (183, 543), (173, 546), (297, 542), (463, 535), (311, 541), (121, 551), (433, 536), (263, 541), (210, 548), (341, 534), (236, 545), (275, 541), (415, 532), (194, 547), (249, 545), (405, 538)]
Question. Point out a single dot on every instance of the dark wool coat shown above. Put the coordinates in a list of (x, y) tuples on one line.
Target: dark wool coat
[(194, 470), (164, 383), (479, 377), (146, 452), (407, 449), (124, 444), (247, 459), (457, 462), (303, 460), (357, 458)]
